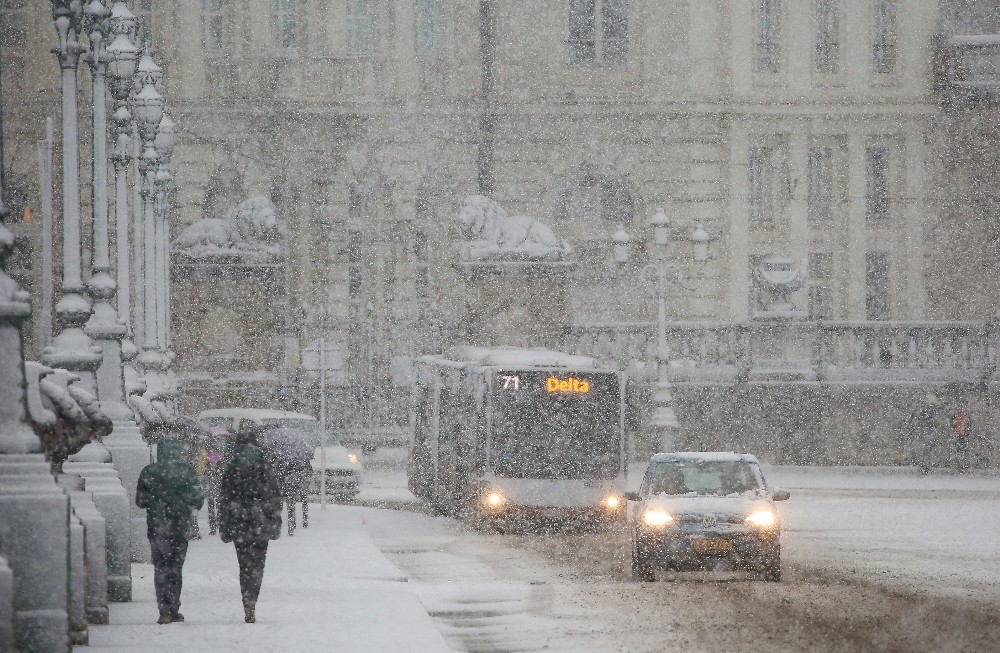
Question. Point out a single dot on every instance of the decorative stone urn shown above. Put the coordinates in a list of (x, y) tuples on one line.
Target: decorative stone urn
[(776, 278)]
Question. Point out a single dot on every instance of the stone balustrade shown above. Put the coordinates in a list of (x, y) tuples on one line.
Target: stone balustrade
[(843, 352)]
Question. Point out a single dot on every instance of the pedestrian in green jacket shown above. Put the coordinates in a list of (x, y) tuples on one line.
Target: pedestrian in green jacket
[(170, 492)]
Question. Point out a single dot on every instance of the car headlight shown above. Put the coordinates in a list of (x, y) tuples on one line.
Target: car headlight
[(761, 518), (656, 518), (352, 458), (612, 502), (494, 499)]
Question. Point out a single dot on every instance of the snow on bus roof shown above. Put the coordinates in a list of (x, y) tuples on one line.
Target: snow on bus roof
[(518, 358), (704, 455)]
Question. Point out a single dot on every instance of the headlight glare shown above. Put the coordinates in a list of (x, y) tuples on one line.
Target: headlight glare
[(494, 499), (613, 502), (761, 518), (656, 518), (353, 458)]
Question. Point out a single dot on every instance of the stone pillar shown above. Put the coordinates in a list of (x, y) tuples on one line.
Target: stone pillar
[(78, 634), (95, 547), (6, 606), (102, 483), (34, 512), (517, 304)]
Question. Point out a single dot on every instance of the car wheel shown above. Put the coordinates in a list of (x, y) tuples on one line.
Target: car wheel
[(642, 571)]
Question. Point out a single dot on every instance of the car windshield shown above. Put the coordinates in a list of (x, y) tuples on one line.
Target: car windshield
[(309, 426), (704, 477)]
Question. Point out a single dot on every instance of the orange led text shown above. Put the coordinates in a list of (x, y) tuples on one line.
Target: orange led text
[(570, 385)]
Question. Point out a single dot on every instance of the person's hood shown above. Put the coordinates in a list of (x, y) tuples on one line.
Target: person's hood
[(168, 449)]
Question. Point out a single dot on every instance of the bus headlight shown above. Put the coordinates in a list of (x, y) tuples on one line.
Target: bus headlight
[(494, 499), (352, 458), (657, 518), (761, 518), (612, 502)]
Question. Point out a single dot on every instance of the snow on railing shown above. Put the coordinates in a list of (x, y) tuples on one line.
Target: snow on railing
[(836, 351)]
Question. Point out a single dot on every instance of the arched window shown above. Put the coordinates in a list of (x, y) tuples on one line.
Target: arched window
[(596, 198)]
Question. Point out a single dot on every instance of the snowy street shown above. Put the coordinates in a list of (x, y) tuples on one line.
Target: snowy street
[(874, 559)]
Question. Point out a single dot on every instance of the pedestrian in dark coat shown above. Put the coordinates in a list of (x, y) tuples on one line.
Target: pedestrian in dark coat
[(170, 492), (249, 513)]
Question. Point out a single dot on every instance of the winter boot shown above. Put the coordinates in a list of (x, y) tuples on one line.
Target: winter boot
[(248, 612), (165, 618), (177, 616)]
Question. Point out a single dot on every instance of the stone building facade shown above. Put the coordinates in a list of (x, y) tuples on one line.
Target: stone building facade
[(812, 131)]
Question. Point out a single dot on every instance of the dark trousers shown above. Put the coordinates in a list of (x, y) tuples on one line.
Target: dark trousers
[(290, 501), (251, 557), (168, 545)]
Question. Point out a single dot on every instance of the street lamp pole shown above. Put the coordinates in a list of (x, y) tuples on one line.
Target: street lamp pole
[(664, 419)]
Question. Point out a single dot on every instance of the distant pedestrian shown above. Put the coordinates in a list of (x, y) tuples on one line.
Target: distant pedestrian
[(249, 513), (170, 492), (960, 429), (928, 429)]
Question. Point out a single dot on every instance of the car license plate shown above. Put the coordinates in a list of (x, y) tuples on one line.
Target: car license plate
[(711, 544)]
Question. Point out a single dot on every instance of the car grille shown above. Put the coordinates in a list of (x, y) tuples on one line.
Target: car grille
[(699, 517)]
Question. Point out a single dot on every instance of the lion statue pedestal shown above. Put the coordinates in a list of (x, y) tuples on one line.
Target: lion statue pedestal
[(516, 273)]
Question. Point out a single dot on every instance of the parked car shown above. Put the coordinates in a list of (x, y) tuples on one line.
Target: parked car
[(696, 509), (343, 466)]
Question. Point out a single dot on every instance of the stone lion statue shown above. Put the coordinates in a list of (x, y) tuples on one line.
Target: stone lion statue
[(495, 236), (251, 230)]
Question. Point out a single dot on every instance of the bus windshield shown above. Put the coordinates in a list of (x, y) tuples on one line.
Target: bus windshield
[(555, 425), (310, 426)]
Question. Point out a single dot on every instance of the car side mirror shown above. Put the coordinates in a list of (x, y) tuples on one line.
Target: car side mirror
[(632, 496), (780, 495)]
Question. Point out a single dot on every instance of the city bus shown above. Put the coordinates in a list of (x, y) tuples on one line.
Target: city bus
[(503, 432)]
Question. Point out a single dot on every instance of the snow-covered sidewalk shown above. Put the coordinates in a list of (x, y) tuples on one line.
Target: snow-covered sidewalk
[(327, 588)]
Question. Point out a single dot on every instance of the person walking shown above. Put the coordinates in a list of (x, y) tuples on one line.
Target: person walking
[(170, 492), (928, 429), (249, 513)]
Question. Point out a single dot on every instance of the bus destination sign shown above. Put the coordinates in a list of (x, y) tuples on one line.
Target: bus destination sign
[(566, 385)]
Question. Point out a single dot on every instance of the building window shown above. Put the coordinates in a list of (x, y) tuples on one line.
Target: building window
[(877, 182), (827, 36), (284, 26), (423, 17), (359, 26), (877, 285), (596, 198), (884, 41), (820, 184), (820, 274), (598, 32), (355, 247), (14, 22), (761, 199), (212, 25), (768, 50)]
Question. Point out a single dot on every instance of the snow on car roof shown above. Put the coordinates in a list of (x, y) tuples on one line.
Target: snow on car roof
[(518, 358), (730, 456)]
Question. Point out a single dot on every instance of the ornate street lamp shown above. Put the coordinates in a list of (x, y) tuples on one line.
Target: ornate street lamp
[(166, 137), (72, 348), (147, 107), (664, 418)]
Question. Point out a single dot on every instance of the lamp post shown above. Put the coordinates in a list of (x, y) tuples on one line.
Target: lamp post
[(72, 348), (166, 138), (147, 107), (664, 418), (104, 325)]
